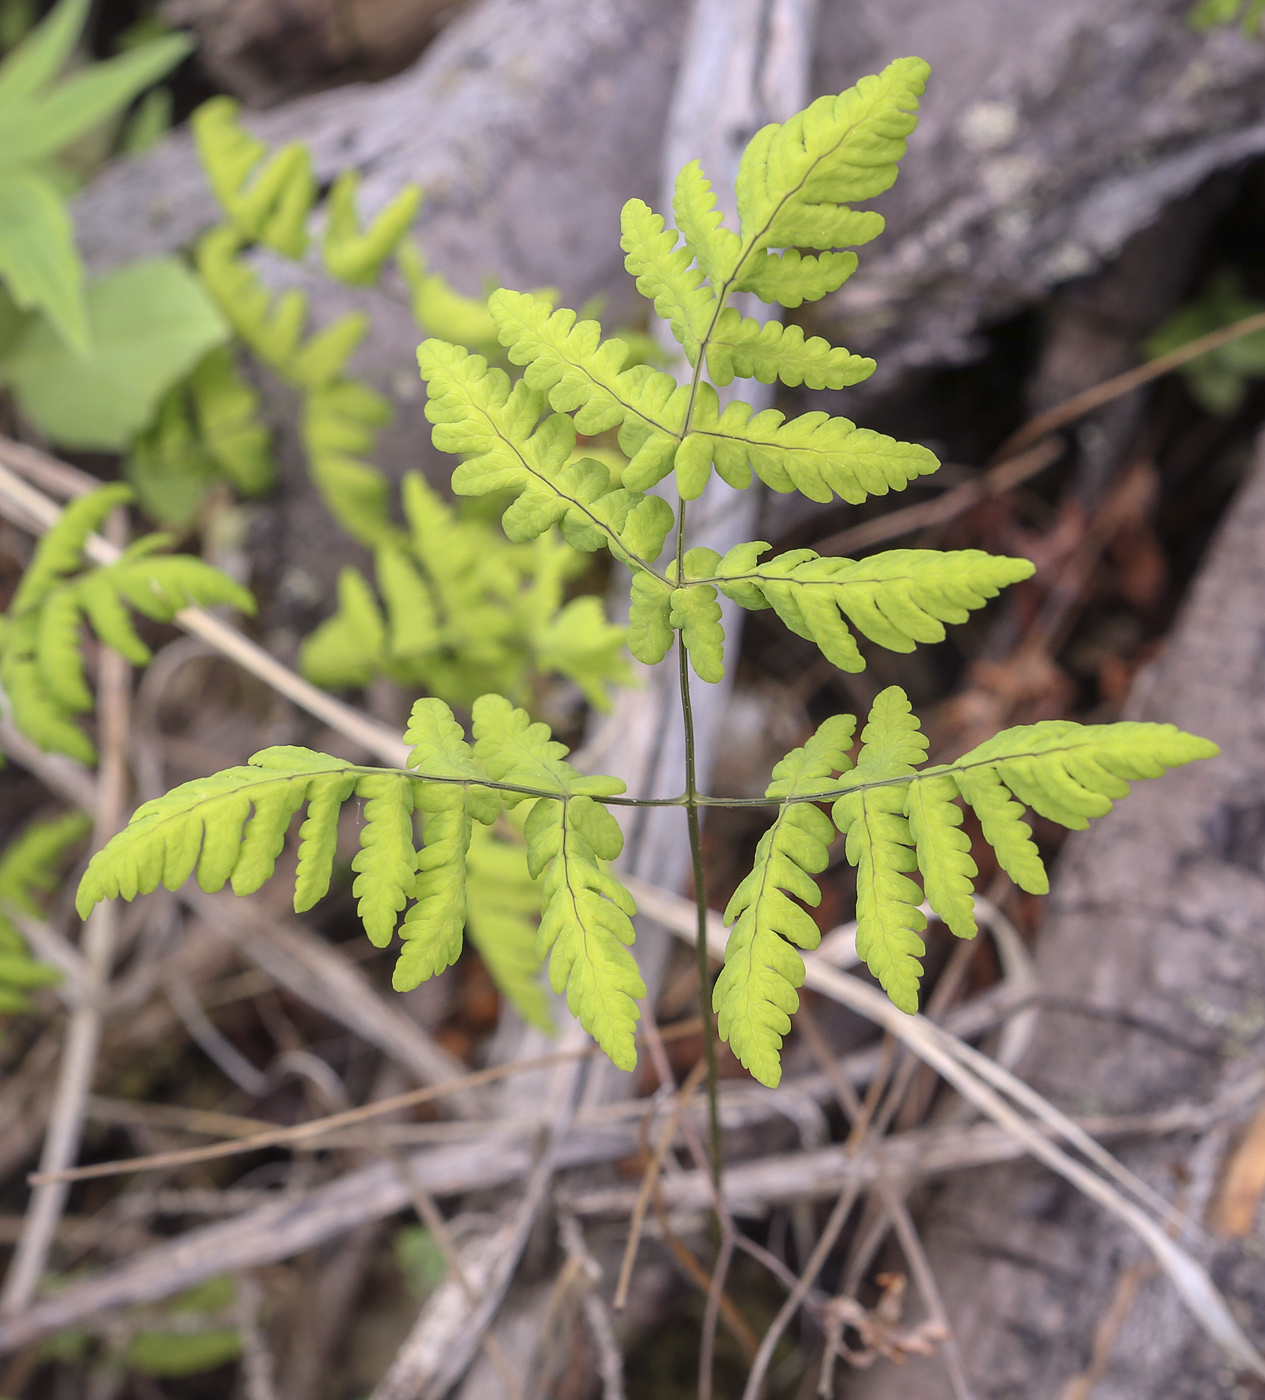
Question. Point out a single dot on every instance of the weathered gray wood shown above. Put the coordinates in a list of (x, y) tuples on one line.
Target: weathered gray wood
[(1152, 967), (1052, 131)]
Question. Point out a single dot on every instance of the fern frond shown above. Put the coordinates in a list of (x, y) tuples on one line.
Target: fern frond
[(205, 826), (796, 180), (793, 278), (386, 864), (273, 208), (702, 225), (578, 642), (770, 351), (898, 819), (586, 914), (355, 256), (30, 864), (568, 360), (506, 448), (271, 330), (695, 612), (650, 618), (814, 454), (755, 994), (346, 649), (230, 423), (880, 846), (41, 654), (897, 599), (502, 914), (664, 276), (440, 310), (433, 928)]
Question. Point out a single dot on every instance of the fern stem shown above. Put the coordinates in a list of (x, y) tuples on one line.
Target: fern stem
[(700, 905)]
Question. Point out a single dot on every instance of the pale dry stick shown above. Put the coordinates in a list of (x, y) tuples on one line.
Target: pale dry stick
[(431, 1216), (432, 1369), (1001, 1078), (47, 472), (957, 1064), (301, 1132), (925, 1278), (301, 961), (83, 1031), (808, 1277), (610, 1361), (290, 1226), (729, 1234), (711, 1315), (649, 1177), (214, 1045), (21, 502), (259, 1370)]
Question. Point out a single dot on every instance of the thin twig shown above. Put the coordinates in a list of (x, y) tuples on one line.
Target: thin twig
[(648, 1180), (259, 1369), (1089, 399), (610, 1361), (31, 508), (301, 1132), (816, 1260), (83, 1032), (1012, 471), (925, 1278)]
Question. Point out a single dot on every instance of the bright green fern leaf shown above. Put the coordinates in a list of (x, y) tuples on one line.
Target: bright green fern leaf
[(695, 613), (434, 926), (29, 865), (569, 361), (880, 846), (41, 649), (796, 180), (506, 448), (694, 203), (270, 208), (897, 599), (770, 351), (755, 997), (503, 913), (665, 277), (357, 257), (814, 454), (586, 914), (386, 863), (201, 827), (440, 310), (899, 820)]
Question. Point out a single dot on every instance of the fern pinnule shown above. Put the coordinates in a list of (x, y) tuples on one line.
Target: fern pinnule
[(503, 914), (755, 994), (29, 865), (880, 847), (41, 647), (586, 914)]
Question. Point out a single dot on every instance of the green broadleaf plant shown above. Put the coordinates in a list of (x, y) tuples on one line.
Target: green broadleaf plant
[(796, 186)]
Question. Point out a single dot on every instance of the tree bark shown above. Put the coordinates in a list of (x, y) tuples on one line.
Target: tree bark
[(1152, 970)]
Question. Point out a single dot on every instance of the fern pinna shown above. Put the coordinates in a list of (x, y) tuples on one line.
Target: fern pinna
[(796, 185)]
